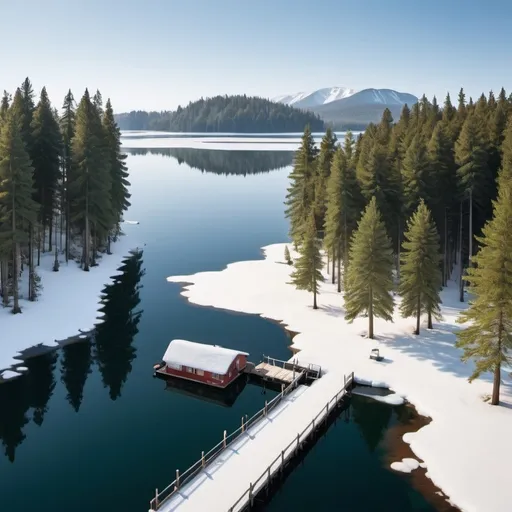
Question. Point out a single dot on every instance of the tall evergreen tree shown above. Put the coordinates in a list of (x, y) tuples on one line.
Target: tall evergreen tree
[(300, 197), (342, 210), (90, 181), (415, 171), (488, 338), (308, 266), (370, 277), (117, 167), (67, 127), (420, 276), (471, 158), (17, 208), (4, 105), (46, 153)]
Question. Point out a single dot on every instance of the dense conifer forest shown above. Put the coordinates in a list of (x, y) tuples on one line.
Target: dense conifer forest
[(410, 204), (63, 185), (242, 114)]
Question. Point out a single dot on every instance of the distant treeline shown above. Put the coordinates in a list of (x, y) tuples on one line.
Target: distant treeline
[(242, 114), (224, 161)]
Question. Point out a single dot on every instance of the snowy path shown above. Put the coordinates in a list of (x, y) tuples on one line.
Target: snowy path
[(222, 483), (466, 447)]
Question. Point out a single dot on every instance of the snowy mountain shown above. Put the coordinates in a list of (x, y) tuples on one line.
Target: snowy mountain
[(315, 98), (363, 107)]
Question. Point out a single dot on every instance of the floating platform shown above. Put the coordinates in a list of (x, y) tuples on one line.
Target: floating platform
[(274, 373)]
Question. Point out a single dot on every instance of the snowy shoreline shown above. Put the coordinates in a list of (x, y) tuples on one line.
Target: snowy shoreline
[(68, 305), (465, 436)]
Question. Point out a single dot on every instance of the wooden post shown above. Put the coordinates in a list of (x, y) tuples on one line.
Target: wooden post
[(202, 459), (250, 495), (177, 479), (282, 388), (298, 440), (282, 462), (225, 434), (265, 408), (327, 409), (243, 428), (156, 498), (268, 481)]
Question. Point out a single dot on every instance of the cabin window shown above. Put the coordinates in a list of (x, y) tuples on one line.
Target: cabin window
[(175, 366), (190, 370), (199, 372), (216, 376)]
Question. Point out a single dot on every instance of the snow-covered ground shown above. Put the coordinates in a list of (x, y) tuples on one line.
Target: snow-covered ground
[(68, 302), (466, 448)]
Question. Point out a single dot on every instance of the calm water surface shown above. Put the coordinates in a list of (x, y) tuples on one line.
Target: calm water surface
[(89, 428)]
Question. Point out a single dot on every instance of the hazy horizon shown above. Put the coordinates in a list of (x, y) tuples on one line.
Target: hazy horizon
[(158, 54)]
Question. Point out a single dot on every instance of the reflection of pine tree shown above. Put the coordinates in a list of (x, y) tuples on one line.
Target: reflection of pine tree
[(113, 349), (76, 366), (41, 383), (14, 405), (222, 161), (372, 418)]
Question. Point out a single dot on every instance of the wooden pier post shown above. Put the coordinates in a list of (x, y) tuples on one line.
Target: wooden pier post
[(282, 462), (202, 459), (268, 481), (225, 435), (243, 427), (177, 479), (251, 498), (266, 411), (298, 441), (156, 498)]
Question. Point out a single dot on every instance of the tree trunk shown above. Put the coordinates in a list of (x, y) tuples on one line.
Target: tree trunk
[(370, 315), (445, 252), (418, 315), (38, 246), (339, 267), (496, 386), (461, 279), (398, 252), (328, 261), (4, 269), (56, 261), (87, 232), (15, 292), (333, 266), (470, 244), (430, 326), (315, 306), (50, 246)]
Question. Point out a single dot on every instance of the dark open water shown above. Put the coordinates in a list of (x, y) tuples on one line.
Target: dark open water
[(89, 429)]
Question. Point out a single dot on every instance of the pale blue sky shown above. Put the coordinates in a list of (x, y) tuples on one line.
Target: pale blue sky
[(156, 54)]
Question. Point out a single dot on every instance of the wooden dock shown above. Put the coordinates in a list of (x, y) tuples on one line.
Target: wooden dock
[(239, 453), (282, 372)]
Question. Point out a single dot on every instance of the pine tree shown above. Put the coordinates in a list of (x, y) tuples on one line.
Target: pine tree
[(67, 127), (342, 210), (323, 170), (370, 270), (308, 266), (300, 197), (420, 277), (506, 148), (118, 171), (488, 338), (415, 171), (46, 153), (4, 105), (89, 182), (287, 256), (17, 208), (471, 158)]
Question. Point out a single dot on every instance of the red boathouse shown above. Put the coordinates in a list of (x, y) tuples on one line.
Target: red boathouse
[(208, 364)]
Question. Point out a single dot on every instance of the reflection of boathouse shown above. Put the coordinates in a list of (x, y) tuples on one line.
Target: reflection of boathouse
[(224, 397)]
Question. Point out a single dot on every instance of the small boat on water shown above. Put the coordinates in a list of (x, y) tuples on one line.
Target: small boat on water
[(207, 364)]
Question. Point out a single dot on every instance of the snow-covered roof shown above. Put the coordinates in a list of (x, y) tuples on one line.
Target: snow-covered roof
[(209, 358)]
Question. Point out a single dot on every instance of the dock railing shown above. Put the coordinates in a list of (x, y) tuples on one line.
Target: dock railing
[(312, 370), (278, 464), (185, 477)]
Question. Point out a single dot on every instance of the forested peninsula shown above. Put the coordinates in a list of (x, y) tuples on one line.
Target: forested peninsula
[(228, 114), (407, 206), (63, 185)]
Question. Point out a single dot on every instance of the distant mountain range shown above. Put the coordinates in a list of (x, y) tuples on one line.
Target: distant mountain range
[(344, 108)]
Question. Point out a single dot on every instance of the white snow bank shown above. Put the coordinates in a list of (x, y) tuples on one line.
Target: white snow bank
[(9, 374), (466, 433), (406, 466), (69, 301), (391, 399)]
